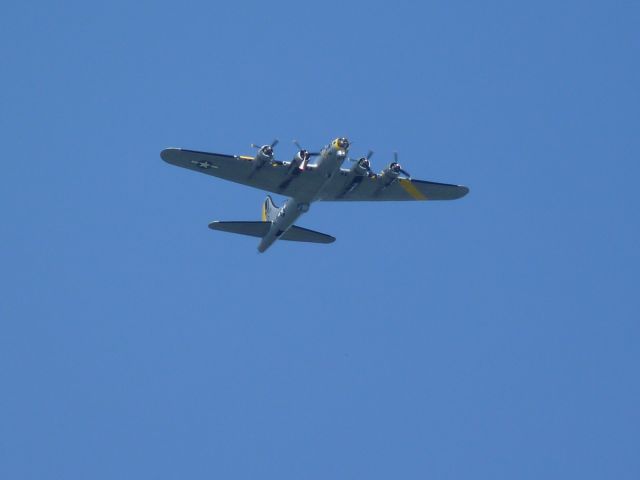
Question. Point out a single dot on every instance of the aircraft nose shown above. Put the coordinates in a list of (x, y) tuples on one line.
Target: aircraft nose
[(341, 144)]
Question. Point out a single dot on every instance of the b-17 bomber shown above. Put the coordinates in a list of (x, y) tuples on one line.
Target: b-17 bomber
[(305, 182)]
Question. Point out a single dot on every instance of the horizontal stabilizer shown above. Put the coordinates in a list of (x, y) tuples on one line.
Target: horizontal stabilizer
[(299, 234), (253, 229), (260, 229)]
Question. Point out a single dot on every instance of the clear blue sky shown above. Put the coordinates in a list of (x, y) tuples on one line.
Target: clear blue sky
[(493, 337)]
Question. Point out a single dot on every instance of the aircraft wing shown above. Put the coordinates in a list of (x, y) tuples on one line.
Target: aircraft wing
[(371, 189), (237, 168), (273, 178), (234, 168)]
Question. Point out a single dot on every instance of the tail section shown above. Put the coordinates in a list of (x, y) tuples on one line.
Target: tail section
[(273, 227), (269, 210), (260, 229), (299, 234), (253, 229)]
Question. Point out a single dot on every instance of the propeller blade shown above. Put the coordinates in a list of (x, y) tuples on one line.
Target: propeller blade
[(311, 154), (395, 157), (405, 173), (259, 147), (367, 156)]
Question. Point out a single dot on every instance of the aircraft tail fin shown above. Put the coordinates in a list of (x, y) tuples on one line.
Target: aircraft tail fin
[(260, 229), (269, 210)]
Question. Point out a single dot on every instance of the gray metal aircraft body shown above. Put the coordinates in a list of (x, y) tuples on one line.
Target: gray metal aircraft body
[(304, 183)]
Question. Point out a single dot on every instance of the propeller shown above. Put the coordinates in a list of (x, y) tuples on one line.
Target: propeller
[(396, 167), (305, 154), (266, 149), (364, 161)]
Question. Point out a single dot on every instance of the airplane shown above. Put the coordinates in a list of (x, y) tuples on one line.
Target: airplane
[(304, 183)]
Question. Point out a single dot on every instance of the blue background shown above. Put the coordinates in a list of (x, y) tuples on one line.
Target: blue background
[(491, 337)]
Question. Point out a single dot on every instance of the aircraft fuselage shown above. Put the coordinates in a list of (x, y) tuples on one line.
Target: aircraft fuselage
[(331, 159)]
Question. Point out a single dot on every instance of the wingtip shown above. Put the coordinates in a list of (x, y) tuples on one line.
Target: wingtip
[(167, 153)]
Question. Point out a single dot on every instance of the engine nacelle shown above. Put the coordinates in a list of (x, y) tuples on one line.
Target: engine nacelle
[(357, 173), (264, 155), (299, 161), (361, 167), (391, 173)]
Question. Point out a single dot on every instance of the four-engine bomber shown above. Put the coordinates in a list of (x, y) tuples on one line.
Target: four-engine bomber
[(304, 183)]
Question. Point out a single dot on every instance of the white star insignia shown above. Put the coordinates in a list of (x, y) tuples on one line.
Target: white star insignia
[(202, 164)]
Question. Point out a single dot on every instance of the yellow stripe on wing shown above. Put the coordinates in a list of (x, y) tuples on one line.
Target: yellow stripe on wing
[(412, 190)]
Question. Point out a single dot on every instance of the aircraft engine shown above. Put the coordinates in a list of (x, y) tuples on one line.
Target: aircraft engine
[(362, 166), (360, 169), (264, 155), (392, 172), (301, 159)]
